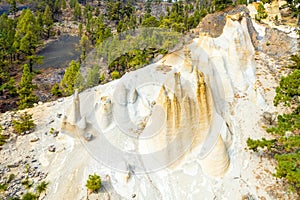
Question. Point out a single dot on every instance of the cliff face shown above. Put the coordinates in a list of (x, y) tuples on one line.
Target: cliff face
[(163, 115)]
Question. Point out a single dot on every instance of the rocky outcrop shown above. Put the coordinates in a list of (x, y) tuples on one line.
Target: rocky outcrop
[(173, 107), (213, 25), (275, 38)]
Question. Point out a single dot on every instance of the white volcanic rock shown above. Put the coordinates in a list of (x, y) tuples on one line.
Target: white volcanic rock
[(165, 134), (182, 105), (163, 117)]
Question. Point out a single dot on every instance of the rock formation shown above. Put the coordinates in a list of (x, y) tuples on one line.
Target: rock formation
[(173, 108), (103, 112), (217, 162), (73, 115)]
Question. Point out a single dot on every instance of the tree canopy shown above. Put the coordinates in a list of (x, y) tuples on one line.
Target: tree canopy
[(26, 96)]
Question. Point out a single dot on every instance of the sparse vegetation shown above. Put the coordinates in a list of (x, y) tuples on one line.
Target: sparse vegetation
[(115, 75), (2, 138), (11, 177), (71, 76), (25, 123), (56, 91), (41, 188), (51, 131), (3, 187), (93, 183), (261, 12), (25, 91), (29, 196), (27, 183), (284, 148)]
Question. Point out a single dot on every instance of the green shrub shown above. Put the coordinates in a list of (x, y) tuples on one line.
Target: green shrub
[(29, 196), (26, 96), (10, 178), (288, 90), (2, 137), (115, 75), (289, 168), (25, 123), (254, 144), (55, 91), (27, 183), (51, 131), (102, 78), (70, 78), (261, 12), (42, 187), (3, 187), (2, 140), (93, 183), (10, 87)]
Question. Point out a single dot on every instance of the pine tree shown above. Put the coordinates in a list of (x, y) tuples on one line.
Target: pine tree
[(26, 96), (40, 24), (69, 80), (85, 46), (77, 12), (7, 37), (24, 123), (92, 78), (73, 3), (56, 91), (13, 7), (80, 30), (47, 20), (26, 37)]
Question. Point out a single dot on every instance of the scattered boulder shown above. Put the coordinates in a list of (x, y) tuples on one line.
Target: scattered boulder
[(88, 136), (35, 139), (55, 133), (268, 118), (52, 148)]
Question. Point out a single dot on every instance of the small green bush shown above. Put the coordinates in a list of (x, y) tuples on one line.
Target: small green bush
[(2, 137), (102, 78), (51, 131), (115, 75), (55, 91), (27, 183), (11, 177), (29, 196), (261, 12), (25, 123), (93, 183), (3, 187), (42, 187)]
